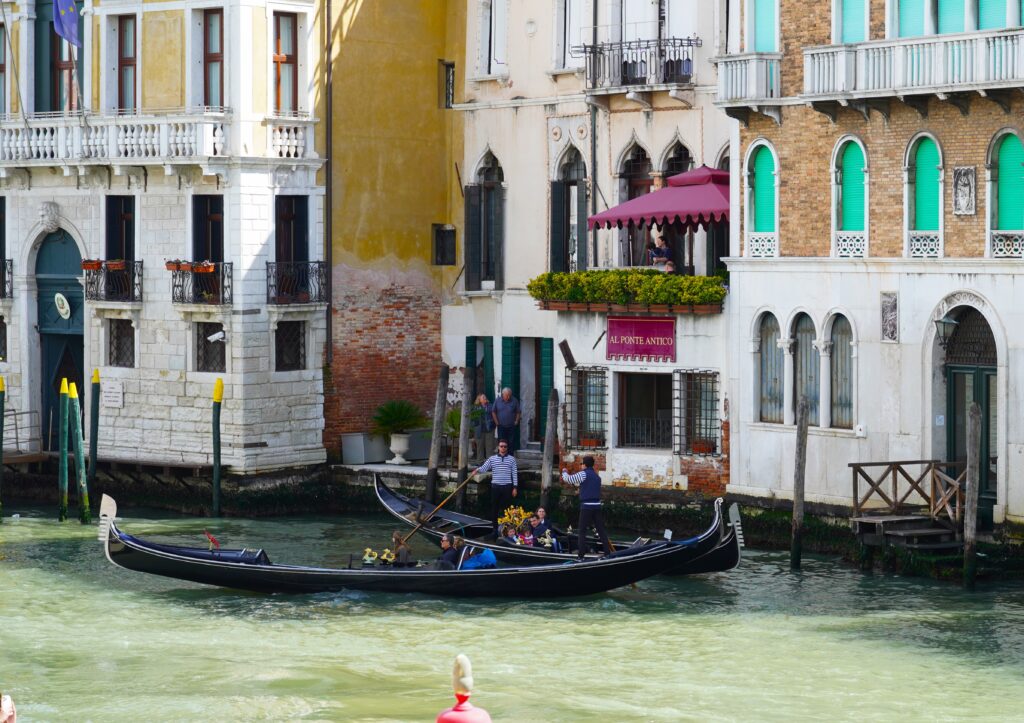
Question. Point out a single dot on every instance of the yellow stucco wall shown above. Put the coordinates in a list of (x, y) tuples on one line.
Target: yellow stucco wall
[(162, 43), (394, 147)]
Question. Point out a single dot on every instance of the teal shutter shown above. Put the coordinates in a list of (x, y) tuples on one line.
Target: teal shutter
[(471, 237), (764, 191), (558, 216), (471, 365), (853, 21), (911, 18), (951, 16), (510, 364), (581, 226), (992, 14), (1010, 184), (489, 367), (851, 192), (926, 186), (764, 26), (547, 380)]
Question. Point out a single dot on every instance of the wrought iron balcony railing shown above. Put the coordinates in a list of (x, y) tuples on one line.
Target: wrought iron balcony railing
[(114, 281), (297, 282), (7, 284), (197, 283), (661, 61)]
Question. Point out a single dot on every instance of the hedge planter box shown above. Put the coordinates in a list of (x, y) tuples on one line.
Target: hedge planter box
[(592, 306), (363, 448)]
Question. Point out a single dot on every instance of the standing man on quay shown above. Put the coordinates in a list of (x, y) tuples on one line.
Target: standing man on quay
[(504, 480), (589, 483), (506, 412)]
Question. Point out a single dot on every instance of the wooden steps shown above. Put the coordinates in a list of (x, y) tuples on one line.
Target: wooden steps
[(914, 532)]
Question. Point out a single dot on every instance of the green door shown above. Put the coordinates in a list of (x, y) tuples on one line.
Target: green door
[(58, 268), (852, 189), (966, 385), (853, 21), (911, 18), (1010, 185)]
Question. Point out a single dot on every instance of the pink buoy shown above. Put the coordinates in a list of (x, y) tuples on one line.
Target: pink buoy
[(463, 711), (7, 712)]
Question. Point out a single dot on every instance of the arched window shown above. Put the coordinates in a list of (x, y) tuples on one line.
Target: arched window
[(723, 162), (636, 181), (841, 371), (679, 160), (569, 215), (851, 188), (763, 211), (926, 186), (853, 20), (1010, 182), (485, 227), (772, 370), (806, 362)]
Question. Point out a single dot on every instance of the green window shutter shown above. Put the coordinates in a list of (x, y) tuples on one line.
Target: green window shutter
[(510, 364), (497, 232), (489, 367), (471, 364), (951, 16), (926, 186), (764, 26), (911, 18), (558, 216), (547, 380), (992, 14), (853, 21), (581, 226), (1010, 194), (851, 192), (764, 191), (471, 237)]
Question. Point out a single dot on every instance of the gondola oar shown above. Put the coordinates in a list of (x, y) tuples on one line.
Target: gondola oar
[(434, 511)]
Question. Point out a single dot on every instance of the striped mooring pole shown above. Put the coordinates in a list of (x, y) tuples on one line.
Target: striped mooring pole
[(94, 425), (62, 460), (218, 397), (78, 445)]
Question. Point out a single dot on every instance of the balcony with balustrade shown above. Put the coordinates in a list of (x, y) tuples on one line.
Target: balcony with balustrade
[(953, 68), (638, 68), (750, 83)]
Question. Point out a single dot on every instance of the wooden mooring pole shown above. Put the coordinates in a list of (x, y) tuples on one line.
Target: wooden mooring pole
[(62, 460), (799, 469), (550, 440), (971, 498), (78, 449), (435, 437), (218, 398), (467, 407), (94, 426)]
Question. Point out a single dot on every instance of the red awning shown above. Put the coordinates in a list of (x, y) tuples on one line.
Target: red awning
[(692, 199)]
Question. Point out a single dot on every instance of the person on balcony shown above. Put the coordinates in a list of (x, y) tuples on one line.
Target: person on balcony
[(659, 253)]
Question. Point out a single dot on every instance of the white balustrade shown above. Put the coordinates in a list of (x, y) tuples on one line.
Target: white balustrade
[(851, 244), (924, 244), (1007, 244), (289, 138), (752, 77), (938, 63), (763, 245)]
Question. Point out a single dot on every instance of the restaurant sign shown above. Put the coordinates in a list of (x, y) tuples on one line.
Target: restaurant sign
[(638, 338)]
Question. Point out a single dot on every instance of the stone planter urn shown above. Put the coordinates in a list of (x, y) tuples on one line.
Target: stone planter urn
[(399, 446)]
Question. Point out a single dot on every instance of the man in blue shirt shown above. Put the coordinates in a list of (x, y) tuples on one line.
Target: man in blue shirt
[(504, 480), (506, 412), (589, 483)]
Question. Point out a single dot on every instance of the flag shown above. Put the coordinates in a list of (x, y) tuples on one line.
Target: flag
[(65, 20), (212, 539)]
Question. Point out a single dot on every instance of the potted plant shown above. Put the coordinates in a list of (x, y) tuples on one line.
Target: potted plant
[(185, 266), (203, 267), (92, 264), (394, 419), (115, 265), (173, 265)]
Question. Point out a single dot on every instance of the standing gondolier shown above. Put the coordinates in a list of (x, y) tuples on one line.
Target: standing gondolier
[(504, 480), (589, 483)]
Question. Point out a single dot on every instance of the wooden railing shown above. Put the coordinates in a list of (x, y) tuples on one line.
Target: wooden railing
[(938, 492)]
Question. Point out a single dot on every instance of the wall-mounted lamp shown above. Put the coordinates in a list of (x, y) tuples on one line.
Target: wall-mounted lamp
[(944, 329)]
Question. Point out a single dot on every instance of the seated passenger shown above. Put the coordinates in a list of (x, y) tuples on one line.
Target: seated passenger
[(449, 555), (542, 522), (480, 558), (526, 534), (403, 555), (542, 535), (508, 534)]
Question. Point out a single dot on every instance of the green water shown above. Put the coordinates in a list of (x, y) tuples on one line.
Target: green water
[(82, 640)]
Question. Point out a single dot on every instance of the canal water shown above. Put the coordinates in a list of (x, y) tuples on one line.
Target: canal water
[(81, 640)]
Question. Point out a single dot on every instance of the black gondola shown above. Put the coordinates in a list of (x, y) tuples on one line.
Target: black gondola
[(724, 555), (252, 570)]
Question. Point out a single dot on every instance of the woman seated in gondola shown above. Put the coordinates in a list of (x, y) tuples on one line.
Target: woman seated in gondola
[(403, 555)]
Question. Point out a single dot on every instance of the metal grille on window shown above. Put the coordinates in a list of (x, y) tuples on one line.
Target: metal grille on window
[(444, 244), (972, 342), (210, 356), (290, 345), (698, 430), (3, 339), (586, 403), (121, 352)]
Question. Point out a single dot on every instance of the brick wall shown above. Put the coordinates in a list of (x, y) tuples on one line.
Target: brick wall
[(803, 24), (805, 142), (387, 345)]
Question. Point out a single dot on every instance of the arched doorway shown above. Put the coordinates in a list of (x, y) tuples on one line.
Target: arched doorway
[(970, 371), (58, 268)]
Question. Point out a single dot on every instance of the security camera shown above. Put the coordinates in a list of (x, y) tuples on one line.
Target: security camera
[(219, 336)]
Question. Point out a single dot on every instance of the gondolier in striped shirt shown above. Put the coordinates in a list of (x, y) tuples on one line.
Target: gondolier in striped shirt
[(504, 480), (589, 483)]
